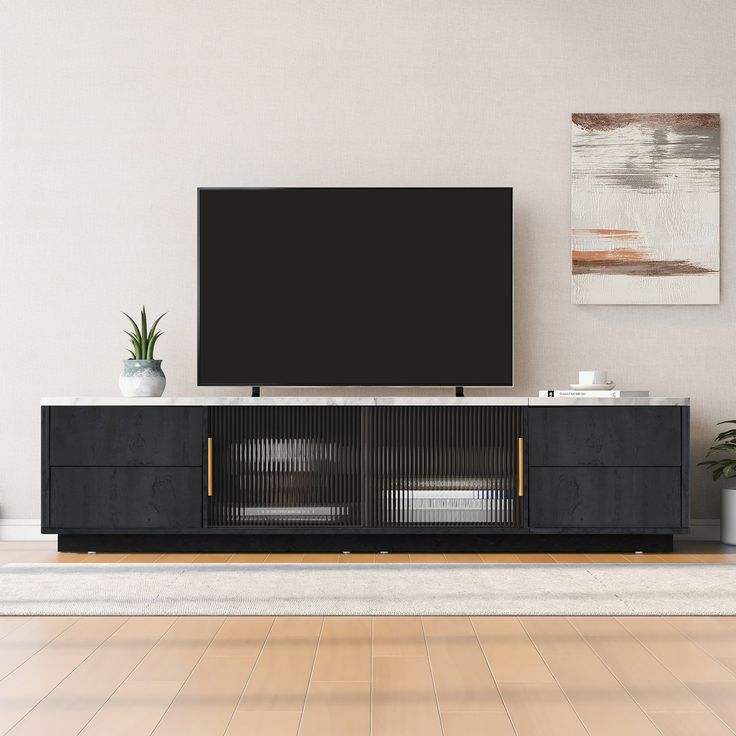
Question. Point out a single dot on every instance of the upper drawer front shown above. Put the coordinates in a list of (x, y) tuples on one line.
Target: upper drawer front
[(121, 435), (605, 436)]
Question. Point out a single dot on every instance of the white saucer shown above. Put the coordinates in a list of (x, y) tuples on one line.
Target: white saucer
[(593, 386)]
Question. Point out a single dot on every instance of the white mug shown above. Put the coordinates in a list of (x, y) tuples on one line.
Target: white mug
[(592, 378)]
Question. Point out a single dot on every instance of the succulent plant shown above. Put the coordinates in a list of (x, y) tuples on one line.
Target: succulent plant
[(143, 338)]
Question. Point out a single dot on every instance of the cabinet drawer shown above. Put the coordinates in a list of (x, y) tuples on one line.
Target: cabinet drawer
[(605, 436), (605, 497), (121, 435), (125, 498)]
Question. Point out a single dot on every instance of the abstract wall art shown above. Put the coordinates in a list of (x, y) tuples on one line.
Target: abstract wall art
[(645, 208)]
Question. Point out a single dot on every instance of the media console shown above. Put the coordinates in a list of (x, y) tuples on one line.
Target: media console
[(362, 474)]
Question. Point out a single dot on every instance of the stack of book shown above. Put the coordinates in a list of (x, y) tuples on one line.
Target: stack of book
[(568, 393)]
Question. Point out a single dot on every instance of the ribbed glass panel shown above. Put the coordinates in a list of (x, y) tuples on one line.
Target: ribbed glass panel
[(372, 466), (446, 465), (285, 466)]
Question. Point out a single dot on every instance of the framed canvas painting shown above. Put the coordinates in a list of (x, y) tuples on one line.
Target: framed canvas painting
[(645, 208)]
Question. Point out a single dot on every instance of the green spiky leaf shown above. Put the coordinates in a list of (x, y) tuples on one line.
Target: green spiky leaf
[(152, 331), (144, 333), (151, 345), (136, 348), (135, 325), (136, 345), (143, 338)]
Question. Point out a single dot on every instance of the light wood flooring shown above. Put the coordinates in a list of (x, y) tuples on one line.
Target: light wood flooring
[(303, 676)]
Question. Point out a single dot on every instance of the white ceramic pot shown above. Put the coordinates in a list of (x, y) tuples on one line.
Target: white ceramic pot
[(142, 378), (728, 515)]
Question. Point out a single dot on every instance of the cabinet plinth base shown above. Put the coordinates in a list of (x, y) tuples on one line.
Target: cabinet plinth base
[(362, 542)]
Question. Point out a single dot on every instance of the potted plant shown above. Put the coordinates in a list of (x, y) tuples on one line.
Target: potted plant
[(725, 467), (142, 374)]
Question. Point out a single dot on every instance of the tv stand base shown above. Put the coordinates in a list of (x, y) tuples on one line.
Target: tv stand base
[(414, 541)]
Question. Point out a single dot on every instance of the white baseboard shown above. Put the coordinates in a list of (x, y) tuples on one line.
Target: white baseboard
[(702, 530), (23, 530)]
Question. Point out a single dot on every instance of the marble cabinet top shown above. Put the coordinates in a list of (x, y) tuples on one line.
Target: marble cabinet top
[(359, 401)]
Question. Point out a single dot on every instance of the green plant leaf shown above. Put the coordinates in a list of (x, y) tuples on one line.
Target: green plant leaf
[(152, 331), (142, 338), (135, 326), (144, 334), (724, 435), (152, 344), (132, 354), (725, 447), (729, 470), (724, 443), (728, 421), (725, 469), (136, 344)]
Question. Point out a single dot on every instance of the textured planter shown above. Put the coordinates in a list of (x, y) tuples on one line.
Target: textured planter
[(728, 515), (142, 378)]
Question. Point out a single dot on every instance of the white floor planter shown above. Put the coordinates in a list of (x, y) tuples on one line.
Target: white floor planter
[(728, 516)]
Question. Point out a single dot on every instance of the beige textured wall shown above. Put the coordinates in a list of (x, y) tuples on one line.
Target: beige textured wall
[(112, 113)]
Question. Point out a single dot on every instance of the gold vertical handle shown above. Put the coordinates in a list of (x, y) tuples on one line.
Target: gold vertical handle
[(209, 466), (520, 462)]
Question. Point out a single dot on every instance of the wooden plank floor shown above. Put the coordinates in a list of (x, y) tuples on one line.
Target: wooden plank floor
[(313, 676)]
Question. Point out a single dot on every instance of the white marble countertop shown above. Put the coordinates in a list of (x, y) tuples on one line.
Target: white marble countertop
[(627, 401), (359, 401)]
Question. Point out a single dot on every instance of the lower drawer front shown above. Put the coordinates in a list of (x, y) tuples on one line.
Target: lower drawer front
[(604, 497), (125, 498)]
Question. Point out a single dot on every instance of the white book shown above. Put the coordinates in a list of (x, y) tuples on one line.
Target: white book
[(566, 393)]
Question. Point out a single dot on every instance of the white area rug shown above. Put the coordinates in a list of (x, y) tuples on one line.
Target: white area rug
[(355, 589)]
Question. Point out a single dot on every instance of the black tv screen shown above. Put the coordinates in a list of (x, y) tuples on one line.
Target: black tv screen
[(351, 287)]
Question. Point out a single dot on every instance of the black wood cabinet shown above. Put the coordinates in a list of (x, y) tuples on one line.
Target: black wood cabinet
[(372, 477), (608, 468), (611, 498), (605, 436), (125, 498), (115, 468), (118, 436)]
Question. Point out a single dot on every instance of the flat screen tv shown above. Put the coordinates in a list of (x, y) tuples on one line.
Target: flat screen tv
[(355, 287)]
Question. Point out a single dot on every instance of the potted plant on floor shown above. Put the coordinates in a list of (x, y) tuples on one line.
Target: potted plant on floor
[(142, 375), (725, 467)]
